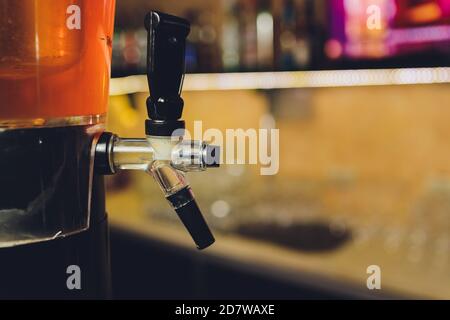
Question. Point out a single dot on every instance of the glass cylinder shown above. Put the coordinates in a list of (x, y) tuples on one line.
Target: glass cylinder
[(55, 58)]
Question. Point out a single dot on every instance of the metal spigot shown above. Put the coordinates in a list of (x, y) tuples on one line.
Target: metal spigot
[(163, 153)]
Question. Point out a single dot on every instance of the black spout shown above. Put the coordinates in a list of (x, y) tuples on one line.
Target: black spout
[(187, 209)]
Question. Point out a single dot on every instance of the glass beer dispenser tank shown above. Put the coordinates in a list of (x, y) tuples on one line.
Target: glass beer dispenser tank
[(54, 74), (55, 58)]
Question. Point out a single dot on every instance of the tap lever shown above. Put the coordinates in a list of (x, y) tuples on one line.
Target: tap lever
[(165, 64), (165, 70)]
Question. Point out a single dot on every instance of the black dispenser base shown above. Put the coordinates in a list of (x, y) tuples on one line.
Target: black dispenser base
[(39, 271), (52, 164)]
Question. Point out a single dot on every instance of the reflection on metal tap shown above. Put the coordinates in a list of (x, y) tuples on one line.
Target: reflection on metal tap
[(138, 153), (166, 167)]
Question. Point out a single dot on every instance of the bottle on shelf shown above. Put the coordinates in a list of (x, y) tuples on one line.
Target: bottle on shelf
[(265, 35), (203, 42), (302, 49), (286, 38), (248, 35), (294, 38), (230, 36)]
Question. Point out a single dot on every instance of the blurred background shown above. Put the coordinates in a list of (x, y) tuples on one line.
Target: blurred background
[(359, 90)]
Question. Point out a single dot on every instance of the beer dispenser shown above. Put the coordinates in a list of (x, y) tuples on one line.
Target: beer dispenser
[(55, 59)]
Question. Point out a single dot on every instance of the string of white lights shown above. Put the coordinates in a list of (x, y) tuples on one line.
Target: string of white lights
[(294, 79)]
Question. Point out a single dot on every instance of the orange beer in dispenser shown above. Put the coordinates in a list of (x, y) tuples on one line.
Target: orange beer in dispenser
[(55, 58)]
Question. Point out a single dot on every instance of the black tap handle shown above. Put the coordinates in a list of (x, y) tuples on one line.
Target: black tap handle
[(165, 64)]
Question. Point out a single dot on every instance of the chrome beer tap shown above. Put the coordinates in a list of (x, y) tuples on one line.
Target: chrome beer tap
[(163, 153)]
